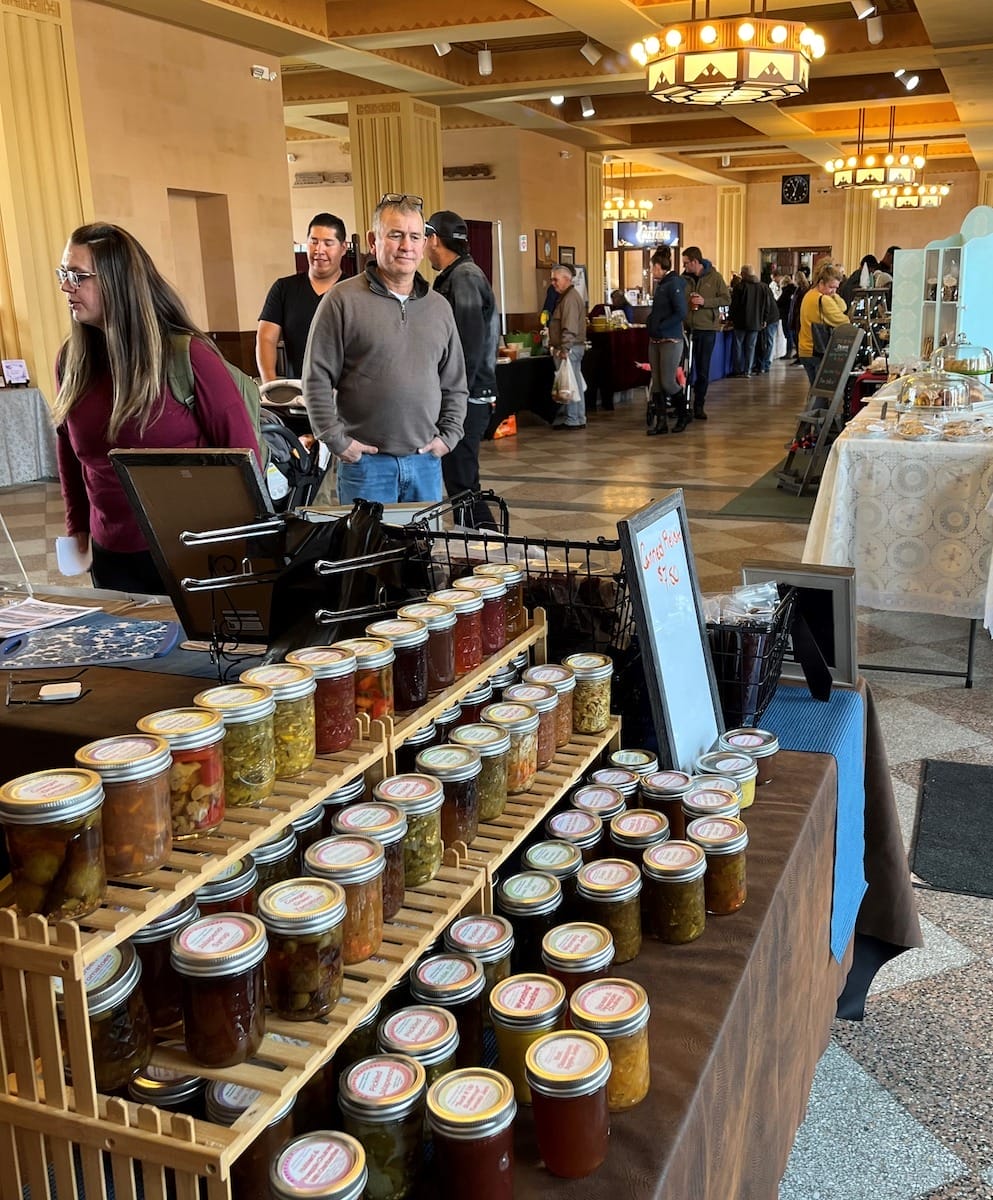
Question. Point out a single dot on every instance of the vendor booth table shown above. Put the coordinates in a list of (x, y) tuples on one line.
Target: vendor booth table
[(27, 437)]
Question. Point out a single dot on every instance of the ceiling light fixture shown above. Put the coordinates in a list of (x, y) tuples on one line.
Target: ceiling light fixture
[(874, 30), (586, 105), (557, 100), (442, 48), (623, 207), (908, 81), (484, 60), (591, 53), (920, 195), (875, 169), (863, 8)]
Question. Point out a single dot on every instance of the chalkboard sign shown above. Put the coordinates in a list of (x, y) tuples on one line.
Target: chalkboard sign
[(668, 612), (838, 360)]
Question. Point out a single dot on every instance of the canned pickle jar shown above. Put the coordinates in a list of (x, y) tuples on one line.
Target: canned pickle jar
[(374, 659), (523, 1008), (675, 907), (419, 798), (617, 1010), (632, 832), (724, 840), (611, 889), (568, 1073), (471, 1116), (294, 721), (426, 1033), (382, 1104), (249, 740), (468, 608), (409, 639), (220, 960), (641, 762), (493, 591), (334, 698), (621, 779), (357, 863), (196, 778), (579, 828), (513, 578), (561, 859), (412, 745), (160, 984), (386, 824), (276, 859), (489, 938), (762, 745), (577, 952), (493, 746), (664, 791), (304, 919), (544, 699), (137, 805), (455, 982), (563, 680), (324, 1165), (606, 802), (440, 622), (349, 793), (704, 801), (52, 822), (591, 702), (521, 722), (736, 765), (232, 889), (531, 900), (458, 769), (250, 1171)]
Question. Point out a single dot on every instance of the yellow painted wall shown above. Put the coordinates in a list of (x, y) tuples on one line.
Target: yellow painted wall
[(322, 154)]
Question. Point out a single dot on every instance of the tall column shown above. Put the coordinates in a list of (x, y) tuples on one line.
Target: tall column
[(985, 188), (594, 228), (860, 227), (729, 253), (44, 176)]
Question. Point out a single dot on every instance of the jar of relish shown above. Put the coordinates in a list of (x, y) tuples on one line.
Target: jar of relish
[(561, 859), (633, 831), (703, 801), (426, 1033), (578, 827), (617, 1010), (531, 900), (373, 675), (468, 627), (471, 1115), (226, 1102), (489, 938), (611, 890), (440, 621), (455, 982), (521, 722), (591, 703), (563, 680), (233, 889), (386, 824), (619, 778), (382, 1104), (322, 1165), (597, 798), (492, 745), (409, 639), (664, 791), (759, 743), (309, 828), (293, 723), (196, 778), (675, 907), (724, 840), (493, 591), (473, 703), (458, 768), (357, 864), (419, 798), (576, 953), (523, 1008), (513, 578), (349, 793), (303, 969), (220, 960), (249, 745), (734, 764), (334, 699), (412, 745), (568, 1073), (544, 699), (276, 859), (160, 984)]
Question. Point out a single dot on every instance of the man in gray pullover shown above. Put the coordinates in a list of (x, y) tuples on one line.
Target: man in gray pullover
[(384, 377)]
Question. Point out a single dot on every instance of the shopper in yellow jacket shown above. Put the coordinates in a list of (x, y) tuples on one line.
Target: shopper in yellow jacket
[(821, 304)]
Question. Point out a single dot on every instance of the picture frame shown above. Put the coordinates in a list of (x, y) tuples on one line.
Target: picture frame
[(546, 247), (567, 256), (826, 598)]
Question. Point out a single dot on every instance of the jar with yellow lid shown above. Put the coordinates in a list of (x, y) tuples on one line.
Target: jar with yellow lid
[(560, 858), (577, 952), (374, 659), (455, 982), (493, 746), (334, 697), (419, 798), (675, 906), (544, 699), (323, 1165), (563, 680), (196, 777), (632, 832), (641, 762), (293, 686), (531, 901), (521, 722), (732, 764), (704, 801), (567, 1073), (425, 1032), (471, 1116), (382, 1105), (458, 768), (357, 864), (523, 1008), (386, 824), (493, 619), (759, 743), (409, 639), (249, 740), (724, 840), (664, 791), (303, 969), (579, 828), (591, 702), (513, 578), (468, 607), (610, 888), (617, 1010), (440, 621), (489, 938)]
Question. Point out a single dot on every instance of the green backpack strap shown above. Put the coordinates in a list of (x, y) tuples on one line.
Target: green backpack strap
[(179, 371)]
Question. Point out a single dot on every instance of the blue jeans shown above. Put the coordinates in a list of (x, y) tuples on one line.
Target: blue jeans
[(391, 480), (767, 341), (745, 341), (703, 351), (574, 412)]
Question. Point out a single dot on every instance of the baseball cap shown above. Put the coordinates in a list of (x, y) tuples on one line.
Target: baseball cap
[(447, 224)]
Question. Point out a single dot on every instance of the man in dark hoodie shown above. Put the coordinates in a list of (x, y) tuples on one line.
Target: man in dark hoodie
[(708, 294)]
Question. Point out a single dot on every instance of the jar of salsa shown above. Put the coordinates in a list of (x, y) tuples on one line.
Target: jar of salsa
[(568, 1073), (704, 801), (490, 940), (675, 908), (561, 859), (425, 1032), (334, 699), (52, 822), (349, 793), (322, 1165), (732, 764), (294, 722), (440, 621), (373, 675), (458, 768), (664, 791), (357, 863), (494, 616), (196, 778), (454, 982), (523, 1008), (531, 900), (591, 702), (544, 699), (233, 889), (412, 745), (382, 1105), (513, 578), (419, 798), (386, 824), (309, 828), (137, 803), (220, 960), (576, 953), (619, 778), (641, 762), (170, 1089), (276, 860), (759, 743), (724, 840), (226, 1102), (249, 740), (473, 703), (445, 722), (303, 969), (633, 831), (409, 639), (492, 745), (580, 828), (563, 680), (617, 1010), (606, 802), (468, 627), (160, 984), (521, 722), (611, 890), (471, 1116)]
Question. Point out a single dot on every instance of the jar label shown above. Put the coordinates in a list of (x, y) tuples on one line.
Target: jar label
[(634, 758), (182, 721), (715, 828), (671, 781), (549, 673), (233, 696), (321, 656), (366, 647), (216, 935), (229, 871), (162, 1074), (528, 692), (102, 969), (527, 995), (550, 854), (509, 712), (446, 756), (49, 787), (122, 749), (745, 739), (469, 1095), (639, 823), (565, 1055), (609, 872), (407, 787), (382, 1079), (478, 932), (586, 662), (342, 851), (574, 822), (236, 1096), (576, 940), (398, 628), (596, 798), (445, 970), (316, 1164), (425, 612), (528, 886), (673, 854), (709, 798), (367, 816), (301, 898), (415, 1027), (612, 998), (730, 763), (614, 777), (278, 674), (480, 735)]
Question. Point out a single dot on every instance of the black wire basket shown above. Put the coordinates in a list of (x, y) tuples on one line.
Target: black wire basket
[(748, 660)]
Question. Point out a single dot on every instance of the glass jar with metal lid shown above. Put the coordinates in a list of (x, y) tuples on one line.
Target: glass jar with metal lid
[(386, 824), (733, 764), (633, 831), (137, 810), (250, 1170), (169, 1088), (317, 1098), (54, 832), (705, 801), (503, 677), (611, 891), (445, 722), (233, 889), (621, 779), (374, 659), (492, 745), (532, 901), (471, 1116), (473, 703), (675, 907), (759, 743), (412, 745), (468, 608), (276, 859), (160, 983), (196, 777), (303, 969), (361, 1042), (561, 859), (523, 1008), (348, 793), (641, 762), (489, 938), (249, 745), (409, 639), (591, 702), (581, 829), (425, 1032), (119, 1025), (544, 699), (664, 791), (456, 982), (357, 863), (598, 798), (324, 1165), (309, 828), (458, 768), (577, 952), (294, 721), (382, 1104), (334, 698), (568, 1073), (563, 680), (521, 722), (724, 782), (440, 622), (419, 798), (493, 591), (617, 1010), (513, 577), (724, 840)]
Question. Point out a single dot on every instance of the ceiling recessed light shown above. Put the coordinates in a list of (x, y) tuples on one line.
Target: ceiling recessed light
[(557, 100)]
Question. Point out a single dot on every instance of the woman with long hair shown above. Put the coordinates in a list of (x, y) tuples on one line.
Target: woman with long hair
[(113, 393), (821, 305)]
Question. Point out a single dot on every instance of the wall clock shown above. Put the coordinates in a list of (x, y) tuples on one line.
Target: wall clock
[(796, 189)]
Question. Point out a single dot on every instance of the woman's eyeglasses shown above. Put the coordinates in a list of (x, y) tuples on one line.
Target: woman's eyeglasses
[(73, 278), (401, 198)]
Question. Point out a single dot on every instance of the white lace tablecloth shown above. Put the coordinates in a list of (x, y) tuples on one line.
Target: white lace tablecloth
[(27, 437), (912, 518)]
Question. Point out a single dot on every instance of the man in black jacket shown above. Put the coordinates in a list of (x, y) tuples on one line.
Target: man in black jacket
[(467, 290)]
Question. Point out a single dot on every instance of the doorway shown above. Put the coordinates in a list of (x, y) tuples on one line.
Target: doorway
[(790, 259)]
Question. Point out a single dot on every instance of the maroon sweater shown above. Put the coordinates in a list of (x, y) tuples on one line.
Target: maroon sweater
[(95, 502)]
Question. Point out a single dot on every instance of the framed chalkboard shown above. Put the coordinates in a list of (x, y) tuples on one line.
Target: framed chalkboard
[(836, 365), (668, 611)]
